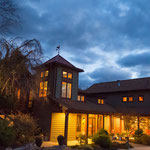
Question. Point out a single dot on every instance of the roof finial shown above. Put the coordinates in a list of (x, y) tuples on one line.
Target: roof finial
[(58, 49)]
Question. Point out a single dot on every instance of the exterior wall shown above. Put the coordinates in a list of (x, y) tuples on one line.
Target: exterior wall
[(75, 86), (57, 126), (58, 82), (115, 98)]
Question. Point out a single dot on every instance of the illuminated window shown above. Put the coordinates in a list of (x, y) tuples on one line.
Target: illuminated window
[(64, 74), (42, 74), (101, 101), (46, 73), (141, 99), (43, 89), (18, 94), (124, 99), (81, 98), (66, 90), (70, 75), (67, 75), (78, 129), (130, 99)]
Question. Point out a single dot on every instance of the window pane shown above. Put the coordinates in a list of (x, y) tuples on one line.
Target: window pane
[(42, 74), (40, 93), (46, 73), (63, 89), (64, 74), (45, 85), (70, 75), (69, 90), (140, 98), (41, 85), (99, 101), (30, 104), (78, 123), (78, 97), (102, 101), (130, 99), (82, 98), (124, 99)]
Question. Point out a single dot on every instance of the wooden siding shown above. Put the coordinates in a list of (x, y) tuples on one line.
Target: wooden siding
[(57, 126), (72, 127)]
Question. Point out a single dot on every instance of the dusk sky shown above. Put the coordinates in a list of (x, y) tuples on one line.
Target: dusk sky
[(109, 39)]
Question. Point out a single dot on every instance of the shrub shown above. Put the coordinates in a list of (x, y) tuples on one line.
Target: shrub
[(82, 139), (146, 139), (7, 133), (103, 131), (102, 140), (38, 141), (138, 140), (138, 133), (25, 127)]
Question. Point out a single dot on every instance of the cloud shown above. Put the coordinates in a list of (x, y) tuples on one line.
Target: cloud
[(133, 60), (115, 27)]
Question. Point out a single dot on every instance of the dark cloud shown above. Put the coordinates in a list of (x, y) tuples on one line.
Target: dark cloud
[(103, 75), (135, 60), (112, 26)]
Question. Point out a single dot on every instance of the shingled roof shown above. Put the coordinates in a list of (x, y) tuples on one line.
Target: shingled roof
[(120, 85), (75, 106), (62, 61)]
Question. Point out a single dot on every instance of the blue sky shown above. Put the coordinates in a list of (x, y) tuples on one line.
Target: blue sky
[(109, 39)]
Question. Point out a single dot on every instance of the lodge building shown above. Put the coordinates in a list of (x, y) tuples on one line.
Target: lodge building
[(64, 109)]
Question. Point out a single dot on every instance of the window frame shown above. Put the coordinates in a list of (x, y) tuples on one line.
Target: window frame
[(139, 97), (124, 101), (100, 100), (68, 72), (43, 89), (132, 99), (80, 100), (66, 93)]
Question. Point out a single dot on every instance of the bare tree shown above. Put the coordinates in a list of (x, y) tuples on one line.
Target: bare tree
[(8, 15), (16, 63)]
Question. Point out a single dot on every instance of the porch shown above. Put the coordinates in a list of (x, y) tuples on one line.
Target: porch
[(72, 125)]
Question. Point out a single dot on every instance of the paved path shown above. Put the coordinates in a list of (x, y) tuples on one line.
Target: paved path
[(139, 147)]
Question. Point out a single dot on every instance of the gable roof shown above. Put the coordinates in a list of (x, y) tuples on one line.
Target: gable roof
[(120, 85), (62, 61)]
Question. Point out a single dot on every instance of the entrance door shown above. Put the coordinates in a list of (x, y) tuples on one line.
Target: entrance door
[(92, 126)]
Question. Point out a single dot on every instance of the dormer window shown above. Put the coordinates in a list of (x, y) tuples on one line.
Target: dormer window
[(67, 75), (81, 98), (44, 74), (100, 101)]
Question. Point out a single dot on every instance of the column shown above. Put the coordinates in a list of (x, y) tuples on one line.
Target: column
[(87, 128), (66, 126)]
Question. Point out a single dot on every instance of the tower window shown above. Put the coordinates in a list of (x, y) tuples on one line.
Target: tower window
[(67, 75), (66, 90)]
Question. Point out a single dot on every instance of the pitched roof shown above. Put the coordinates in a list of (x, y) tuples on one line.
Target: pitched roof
[(62, 61), (75, 106), (120, 85)]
